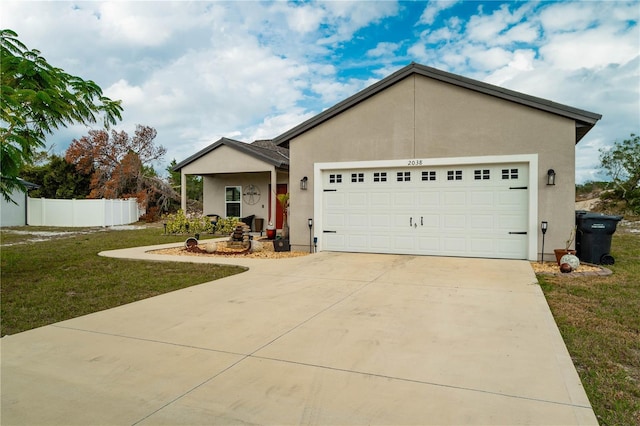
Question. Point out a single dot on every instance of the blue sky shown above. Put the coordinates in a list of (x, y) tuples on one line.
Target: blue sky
[(200, 70)]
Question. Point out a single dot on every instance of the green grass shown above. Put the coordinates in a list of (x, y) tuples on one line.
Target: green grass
[(50, 281), (599, 319)]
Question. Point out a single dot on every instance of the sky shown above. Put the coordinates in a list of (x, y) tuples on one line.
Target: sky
[(200, 70)]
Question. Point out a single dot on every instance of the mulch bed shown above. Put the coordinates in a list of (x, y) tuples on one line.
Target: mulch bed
[(585, 269), (201, 250)]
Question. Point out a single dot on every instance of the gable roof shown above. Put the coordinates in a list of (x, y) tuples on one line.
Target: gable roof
[(264, 150), (584, 120)]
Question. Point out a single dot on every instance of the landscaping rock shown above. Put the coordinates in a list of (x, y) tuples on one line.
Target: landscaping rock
[(256, 246)]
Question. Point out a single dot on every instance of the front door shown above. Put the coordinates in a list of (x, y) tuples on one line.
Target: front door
[(281, 188)]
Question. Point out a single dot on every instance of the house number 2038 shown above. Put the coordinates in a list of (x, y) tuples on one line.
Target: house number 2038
[(414, 163)]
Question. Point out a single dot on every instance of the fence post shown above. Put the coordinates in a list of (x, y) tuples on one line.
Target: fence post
[(43, 216)]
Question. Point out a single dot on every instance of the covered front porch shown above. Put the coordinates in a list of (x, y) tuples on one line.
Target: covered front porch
[(240, 180)]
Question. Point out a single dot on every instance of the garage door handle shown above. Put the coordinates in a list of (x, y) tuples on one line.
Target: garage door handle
[(518, 187), (518, 233), (329, 232)]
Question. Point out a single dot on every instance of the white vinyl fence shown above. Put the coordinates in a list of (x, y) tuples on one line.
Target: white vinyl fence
[(77, 213)]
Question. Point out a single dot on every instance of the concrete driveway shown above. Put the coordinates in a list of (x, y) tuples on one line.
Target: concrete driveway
[(336, 339)]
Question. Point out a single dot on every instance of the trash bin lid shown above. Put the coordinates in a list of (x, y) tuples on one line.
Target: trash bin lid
[(584, 215)]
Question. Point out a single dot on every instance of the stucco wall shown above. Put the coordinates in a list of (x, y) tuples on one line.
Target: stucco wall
[(423, 118), (226, 160)]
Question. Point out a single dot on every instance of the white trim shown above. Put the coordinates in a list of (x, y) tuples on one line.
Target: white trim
[(239, 202), (530, 159)]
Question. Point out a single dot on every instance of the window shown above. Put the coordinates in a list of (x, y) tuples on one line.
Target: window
[(335, 178), (232, 200), (404, 176), (357, 177), (428, 175), (380, 177), (454, 175), (481, 174), (509, 174)]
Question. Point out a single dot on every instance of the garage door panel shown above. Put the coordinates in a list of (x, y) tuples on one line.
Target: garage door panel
[(457, 198), (357, 242), (428, 197), (358, 200), (334, 199), (335, 220), (483, 223), (511, 248), (455, 222), (481, 246), (425, 210), (334, 241), (452, 245), (403, 199), (511, 222), (380, 242), (402, 243), (511, 198), (429, 244), (480, 199), (430, 221), (380, 220)]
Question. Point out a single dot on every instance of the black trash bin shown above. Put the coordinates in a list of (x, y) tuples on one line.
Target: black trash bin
[(593, 237)]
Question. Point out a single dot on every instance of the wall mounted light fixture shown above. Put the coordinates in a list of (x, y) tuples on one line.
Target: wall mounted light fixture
[(551, 177), (303, 183)]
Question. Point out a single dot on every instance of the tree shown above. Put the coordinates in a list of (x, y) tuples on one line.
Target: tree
[(37, 98), (120, 166), (194, 183), (622, 164), (57, 179)]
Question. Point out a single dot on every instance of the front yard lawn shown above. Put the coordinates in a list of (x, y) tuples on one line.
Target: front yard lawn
[(63, 277), (599, 319)]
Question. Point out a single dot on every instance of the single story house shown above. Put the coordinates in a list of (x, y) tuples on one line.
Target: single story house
[(423, 162)]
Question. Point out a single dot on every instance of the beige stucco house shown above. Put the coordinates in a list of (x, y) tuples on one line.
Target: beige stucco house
[(425, 162)]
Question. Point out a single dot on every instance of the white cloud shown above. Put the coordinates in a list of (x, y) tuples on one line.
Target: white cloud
[(383, 49), (558, 17), (201, 70), (591, 48), (433, 9)]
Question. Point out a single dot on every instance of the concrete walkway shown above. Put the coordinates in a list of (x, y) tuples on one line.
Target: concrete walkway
[(335, 339)]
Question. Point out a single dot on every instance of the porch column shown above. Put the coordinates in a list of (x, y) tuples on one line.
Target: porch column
[(274, 190), (183, 191)]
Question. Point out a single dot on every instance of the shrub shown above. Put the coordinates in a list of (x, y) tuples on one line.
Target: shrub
[(226, 226), (179, 223)]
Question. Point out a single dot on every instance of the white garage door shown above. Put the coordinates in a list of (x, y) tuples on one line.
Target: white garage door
[(469, 210)]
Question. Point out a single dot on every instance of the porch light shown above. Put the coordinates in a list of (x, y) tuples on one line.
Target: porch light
[(303, 183), (551, 177)]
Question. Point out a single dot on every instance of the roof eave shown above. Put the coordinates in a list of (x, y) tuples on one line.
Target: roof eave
[(580, 116), (234, 144)]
